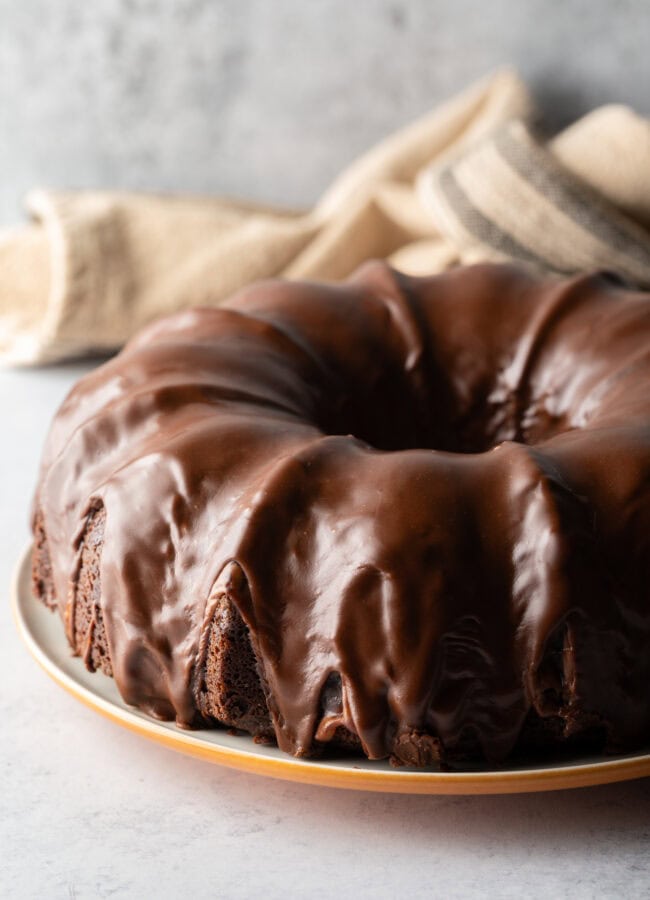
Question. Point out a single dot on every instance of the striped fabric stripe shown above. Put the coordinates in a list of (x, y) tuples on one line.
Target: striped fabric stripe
[(511, 199), (479, 225)]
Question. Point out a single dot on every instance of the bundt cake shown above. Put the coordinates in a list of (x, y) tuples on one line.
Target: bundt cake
[(407, 517)]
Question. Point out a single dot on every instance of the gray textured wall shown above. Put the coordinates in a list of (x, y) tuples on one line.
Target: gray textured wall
[(269, 99)]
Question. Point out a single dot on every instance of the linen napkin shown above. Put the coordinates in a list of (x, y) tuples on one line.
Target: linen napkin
[(468, 181)]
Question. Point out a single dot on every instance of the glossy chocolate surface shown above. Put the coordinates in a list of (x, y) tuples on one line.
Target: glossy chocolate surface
[(438, 491)]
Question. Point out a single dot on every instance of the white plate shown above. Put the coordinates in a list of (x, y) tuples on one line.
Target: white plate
[(43, 634)]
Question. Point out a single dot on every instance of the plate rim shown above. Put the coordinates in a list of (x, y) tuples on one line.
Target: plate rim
[(314, 772)]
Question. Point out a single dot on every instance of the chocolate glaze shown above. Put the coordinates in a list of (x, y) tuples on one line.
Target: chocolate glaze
[(436, 492)]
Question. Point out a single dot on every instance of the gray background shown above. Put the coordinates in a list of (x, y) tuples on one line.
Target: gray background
[(268, 100)]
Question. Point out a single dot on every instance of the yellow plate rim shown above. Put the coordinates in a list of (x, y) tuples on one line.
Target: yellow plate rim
[(354, 775)]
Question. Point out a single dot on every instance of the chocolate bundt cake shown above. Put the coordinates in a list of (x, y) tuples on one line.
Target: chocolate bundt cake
[(403, 516)]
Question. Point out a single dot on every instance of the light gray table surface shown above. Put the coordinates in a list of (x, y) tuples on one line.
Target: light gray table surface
[(89, 810)]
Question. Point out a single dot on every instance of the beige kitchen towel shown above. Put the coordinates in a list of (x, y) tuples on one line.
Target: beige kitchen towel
[(509, 197), (467, 181)]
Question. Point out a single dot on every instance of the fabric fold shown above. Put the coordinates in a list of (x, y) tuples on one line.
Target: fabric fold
[(510, 198)]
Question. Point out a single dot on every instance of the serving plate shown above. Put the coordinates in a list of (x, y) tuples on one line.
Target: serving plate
[(43, 634)]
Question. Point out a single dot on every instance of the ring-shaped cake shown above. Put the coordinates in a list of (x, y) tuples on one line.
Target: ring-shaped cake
[(403, 516)]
